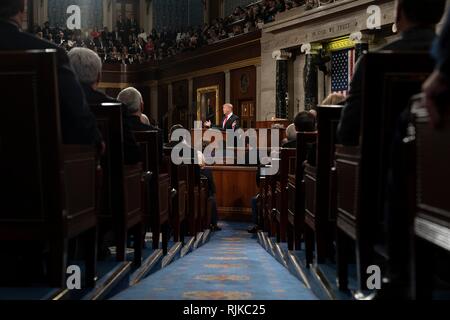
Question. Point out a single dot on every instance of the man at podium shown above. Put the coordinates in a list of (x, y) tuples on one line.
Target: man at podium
[(229, 120)]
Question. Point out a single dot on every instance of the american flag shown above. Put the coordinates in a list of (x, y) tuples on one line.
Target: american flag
[(342, 68)]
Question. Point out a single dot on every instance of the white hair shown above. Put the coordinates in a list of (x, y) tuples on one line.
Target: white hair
[(132, 98), (86, 64), (291, 133)]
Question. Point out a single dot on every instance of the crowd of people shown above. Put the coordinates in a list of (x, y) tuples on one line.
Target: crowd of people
[(128, 43)]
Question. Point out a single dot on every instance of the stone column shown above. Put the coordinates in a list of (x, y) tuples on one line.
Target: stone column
[(282, 86), (154, 101), (169, 105), (299, 94), (192, 96), (227, 86), (258, 92), (108, 14), (40, 11), (146, 15), (310, 75)]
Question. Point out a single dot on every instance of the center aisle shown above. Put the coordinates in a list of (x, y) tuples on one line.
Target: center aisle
[(232, 265)]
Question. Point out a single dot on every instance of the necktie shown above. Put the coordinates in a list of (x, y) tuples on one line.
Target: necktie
[(225, 122)]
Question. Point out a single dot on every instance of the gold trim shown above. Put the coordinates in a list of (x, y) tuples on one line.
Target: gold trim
[(212, 52), (185, 76), (60, 295), (119, 273), (222, 68), (200, 92), (123, 85), (339, 44)]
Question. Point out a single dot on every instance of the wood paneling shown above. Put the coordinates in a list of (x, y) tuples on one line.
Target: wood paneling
[(235, 187), (243, 95), (217, 79), (180, 100)]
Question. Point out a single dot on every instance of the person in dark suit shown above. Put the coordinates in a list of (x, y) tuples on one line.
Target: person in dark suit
[(304, 121), (437, 87), (416, 21), (437, 97), (78, 124), (134, 103), (230, 121), (88, 66), (132, 99), (291, 138)]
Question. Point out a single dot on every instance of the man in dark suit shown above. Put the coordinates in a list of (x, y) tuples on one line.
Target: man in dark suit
[(78, 124), (416, 21), (88, 66), (437, 87), (134, 102), (230, 121)]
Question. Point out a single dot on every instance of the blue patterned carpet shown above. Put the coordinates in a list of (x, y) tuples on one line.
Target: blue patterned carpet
[(232, 265)]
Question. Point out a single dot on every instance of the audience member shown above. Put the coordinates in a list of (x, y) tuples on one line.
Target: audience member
[(88, 67), (416, 20), (77, 122)]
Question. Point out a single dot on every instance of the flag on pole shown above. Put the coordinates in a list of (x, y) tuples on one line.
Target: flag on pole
[(342, 69)]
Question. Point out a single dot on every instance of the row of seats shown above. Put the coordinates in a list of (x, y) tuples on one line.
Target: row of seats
[(384, 202), (55, 193)]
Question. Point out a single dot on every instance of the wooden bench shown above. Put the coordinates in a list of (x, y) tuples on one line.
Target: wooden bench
[(431, 214), (158, 188), (178, 180), (284, 232), (205, 213), (296, 186), (193, 189), (319, 218), (269, 201), (390, 79), (121, 196), (48, 189)]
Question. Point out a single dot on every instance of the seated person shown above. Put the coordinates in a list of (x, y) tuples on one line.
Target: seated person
[(203, 171), (437, 86), (416, 20), (78, 124), (88, 66), (291, 137), (437, 101), (305, 121), (145, 119), (334, 99), (134, 102)]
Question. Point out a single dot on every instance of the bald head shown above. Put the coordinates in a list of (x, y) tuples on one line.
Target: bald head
[(227, 108)]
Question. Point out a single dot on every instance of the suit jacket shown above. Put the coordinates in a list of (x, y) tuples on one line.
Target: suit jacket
[(441, 48), (291, 144), (229, 124), (137, 125), (416, 39), (78, 124), (130, 147)]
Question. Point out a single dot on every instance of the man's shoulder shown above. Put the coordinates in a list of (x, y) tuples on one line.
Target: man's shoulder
[(234, 117), (27, 41), (95, 97), (24, 40)]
